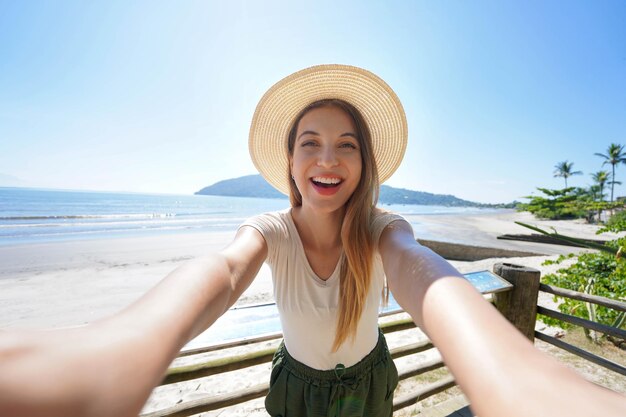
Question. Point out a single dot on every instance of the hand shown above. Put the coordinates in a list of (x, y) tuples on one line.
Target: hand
[(96, 370)]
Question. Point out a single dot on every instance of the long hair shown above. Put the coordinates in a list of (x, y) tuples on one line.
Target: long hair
[(356, 268)]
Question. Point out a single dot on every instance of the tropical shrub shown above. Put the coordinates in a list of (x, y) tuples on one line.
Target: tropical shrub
[(557, 204), (600, 273), (615, 223), (593, 273), (568, 203)]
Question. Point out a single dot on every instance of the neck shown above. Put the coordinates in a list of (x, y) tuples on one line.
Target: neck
[(318, 230)]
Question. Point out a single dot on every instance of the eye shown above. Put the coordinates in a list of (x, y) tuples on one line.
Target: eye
[(348, 145), (308, 143)]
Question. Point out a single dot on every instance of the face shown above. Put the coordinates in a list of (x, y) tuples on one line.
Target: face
[(326, 160)]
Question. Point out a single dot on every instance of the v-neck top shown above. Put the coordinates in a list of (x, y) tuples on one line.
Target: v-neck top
[(308, 305), (301, 254)]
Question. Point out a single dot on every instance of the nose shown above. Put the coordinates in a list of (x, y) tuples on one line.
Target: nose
[(327, 157)]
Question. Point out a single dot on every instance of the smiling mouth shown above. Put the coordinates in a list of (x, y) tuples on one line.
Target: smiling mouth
[(326, 182)]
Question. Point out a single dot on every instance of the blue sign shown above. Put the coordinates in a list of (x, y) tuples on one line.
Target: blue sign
[(487, 282)]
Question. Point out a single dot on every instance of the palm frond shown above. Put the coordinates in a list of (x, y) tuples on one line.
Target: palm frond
[(556, 235)]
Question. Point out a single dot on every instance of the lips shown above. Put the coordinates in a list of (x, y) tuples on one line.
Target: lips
[(326, 185), (326, 182)]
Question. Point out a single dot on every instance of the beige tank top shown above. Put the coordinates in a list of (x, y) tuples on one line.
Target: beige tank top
[(308, 305)]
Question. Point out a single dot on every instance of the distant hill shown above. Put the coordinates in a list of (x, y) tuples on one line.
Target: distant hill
[(256, 186), (11, 181), (391, 195), (248, 186)]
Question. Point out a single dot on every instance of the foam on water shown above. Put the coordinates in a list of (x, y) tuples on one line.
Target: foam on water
[(37, 216)]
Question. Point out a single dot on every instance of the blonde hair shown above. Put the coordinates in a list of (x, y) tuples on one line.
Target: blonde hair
[(356, 268)]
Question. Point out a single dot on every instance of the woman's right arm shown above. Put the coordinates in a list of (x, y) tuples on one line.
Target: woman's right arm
[(109, 367), (499, 370)]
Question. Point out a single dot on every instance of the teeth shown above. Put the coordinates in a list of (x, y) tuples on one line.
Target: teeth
[(325, 180)]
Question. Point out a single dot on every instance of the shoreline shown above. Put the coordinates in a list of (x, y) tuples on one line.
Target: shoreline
[(71, 283)]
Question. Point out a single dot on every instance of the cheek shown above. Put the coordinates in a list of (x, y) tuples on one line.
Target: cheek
[(296, 163), (358, 167), (299, 168)]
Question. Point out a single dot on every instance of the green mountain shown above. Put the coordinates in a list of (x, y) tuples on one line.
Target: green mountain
[(248, 186), (256, 186), (391, 195)]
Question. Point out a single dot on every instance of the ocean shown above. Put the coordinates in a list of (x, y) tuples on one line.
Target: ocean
[(30, 215)]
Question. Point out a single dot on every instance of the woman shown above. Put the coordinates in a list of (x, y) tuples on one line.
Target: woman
[(326, 285), (325, 136)]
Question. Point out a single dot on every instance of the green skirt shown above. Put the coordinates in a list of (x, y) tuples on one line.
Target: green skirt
[(362, 390)]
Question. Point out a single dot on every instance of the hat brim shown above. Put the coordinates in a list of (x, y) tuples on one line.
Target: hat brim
[(279, 106)]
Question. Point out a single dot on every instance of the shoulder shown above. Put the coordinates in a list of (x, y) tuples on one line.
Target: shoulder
[(382, 220), (272, 225), (395, 231)]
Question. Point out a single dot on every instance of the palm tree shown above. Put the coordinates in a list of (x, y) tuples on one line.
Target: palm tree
[(601, 178), (595, 192), (614, 155), (564, 169)]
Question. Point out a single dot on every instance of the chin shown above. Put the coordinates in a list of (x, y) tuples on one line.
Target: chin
[(327, 207)]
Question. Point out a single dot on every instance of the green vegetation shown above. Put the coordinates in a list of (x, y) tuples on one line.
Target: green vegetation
[(616, 223), (614, 155), (554, 205), (575, 202), (569, 203), (601, 273), (600, 178), (564, 169)]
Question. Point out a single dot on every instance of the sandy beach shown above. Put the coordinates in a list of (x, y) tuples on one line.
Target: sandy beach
[(74, 283)]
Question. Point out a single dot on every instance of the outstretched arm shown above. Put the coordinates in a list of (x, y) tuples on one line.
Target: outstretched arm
[(499, 370), (109, 367)]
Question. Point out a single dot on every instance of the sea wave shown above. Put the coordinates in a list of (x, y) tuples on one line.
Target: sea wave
[(95, 232), (90, 216)]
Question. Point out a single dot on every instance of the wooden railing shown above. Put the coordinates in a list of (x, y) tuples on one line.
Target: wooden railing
[(232, 363), (518, 305), (587, 324)]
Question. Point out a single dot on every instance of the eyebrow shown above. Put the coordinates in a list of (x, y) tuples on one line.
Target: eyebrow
[(312, 132)]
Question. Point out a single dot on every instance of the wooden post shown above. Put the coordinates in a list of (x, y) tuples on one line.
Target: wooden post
[(519, 306)]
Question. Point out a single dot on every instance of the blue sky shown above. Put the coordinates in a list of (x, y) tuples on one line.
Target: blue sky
[(154, 96)]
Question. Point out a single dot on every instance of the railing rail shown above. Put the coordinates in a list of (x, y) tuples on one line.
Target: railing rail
[(240, 396), (233, 363), (579, 321), (575, 295), (252, 340), (587, 324), (217, 366), (598, 360), (423, 393)]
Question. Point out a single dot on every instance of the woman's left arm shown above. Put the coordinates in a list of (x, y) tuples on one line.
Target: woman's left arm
[(499, 370), (110, 366)]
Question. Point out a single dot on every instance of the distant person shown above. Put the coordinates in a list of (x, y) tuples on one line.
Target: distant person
[(327, 136)]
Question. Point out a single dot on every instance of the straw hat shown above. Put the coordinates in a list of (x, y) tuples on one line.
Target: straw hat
[(278, 108)]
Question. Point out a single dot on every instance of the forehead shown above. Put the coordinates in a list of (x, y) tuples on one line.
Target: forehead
[(330, 117)]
